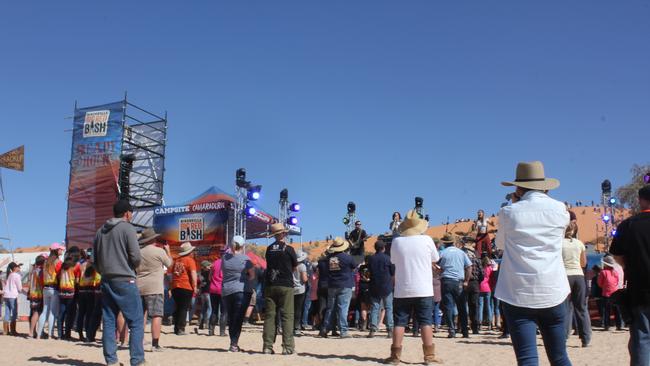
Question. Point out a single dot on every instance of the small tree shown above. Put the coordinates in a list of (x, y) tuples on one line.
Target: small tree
[(628, 194)]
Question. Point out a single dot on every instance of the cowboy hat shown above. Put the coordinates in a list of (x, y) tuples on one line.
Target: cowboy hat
[(186, 248), (448, 238), (237, 240), (147, 236), (339, 245), (301, 256), (530, 175), (412, 224), (277, 228), (608, 261)]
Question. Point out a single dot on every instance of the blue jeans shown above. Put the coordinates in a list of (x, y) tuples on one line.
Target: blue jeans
[(639, 345), (496, 306), (437, 315), (375, 310), (11, 310), (122, 296), (339, 297), (66, 316), (523, 323), (453, 296), (484, 299), (306, 307), (235, 308), (50, 311), (206, 309)]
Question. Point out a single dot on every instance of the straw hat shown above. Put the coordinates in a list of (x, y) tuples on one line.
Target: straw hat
[(530, 175), (608, 261), (186, 248), (277, 228), (147, 236), (412, 224), (339, 245), (448, 238)]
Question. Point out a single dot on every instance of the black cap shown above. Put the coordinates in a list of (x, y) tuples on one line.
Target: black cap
[(644, 192), (121, 207)]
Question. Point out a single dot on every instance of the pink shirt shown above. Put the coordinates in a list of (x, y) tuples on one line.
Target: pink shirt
[(313, 286), (13, 286), (217, 278), (485, 284), (608, 281)]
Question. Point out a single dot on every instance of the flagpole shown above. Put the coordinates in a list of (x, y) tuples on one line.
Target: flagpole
[(4, 207)]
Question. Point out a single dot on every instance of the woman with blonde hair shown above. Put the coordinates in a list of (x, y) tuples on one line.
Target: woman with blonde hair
[(575, 259), (51, 270)]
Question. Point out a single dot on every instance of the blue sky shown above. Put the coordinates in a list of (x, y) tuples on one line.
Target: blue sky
[(370, 101)]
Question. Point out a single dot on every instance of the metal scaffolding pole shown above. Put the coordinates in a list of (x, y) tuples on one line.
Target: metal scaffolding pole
[(6, 217)]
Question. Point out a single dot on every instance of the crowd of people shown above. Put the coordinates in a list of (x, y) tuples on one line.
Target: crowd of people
[(528, 279)]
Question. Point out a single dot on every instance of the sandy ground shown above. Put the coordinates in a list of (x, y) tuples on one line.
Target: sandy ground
[(487, 349)]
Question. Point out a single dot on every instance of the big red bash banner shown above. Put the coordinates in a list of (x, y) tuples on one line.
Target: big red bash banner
[(94, 170)]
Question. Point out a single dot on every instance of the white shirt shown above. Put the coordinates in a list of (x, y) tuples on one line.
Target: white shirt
[(413, 257), (531, 233)]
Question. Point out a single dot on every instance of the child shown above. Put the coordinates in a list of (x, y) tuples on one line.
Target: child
[(608, 282), (12, 289)]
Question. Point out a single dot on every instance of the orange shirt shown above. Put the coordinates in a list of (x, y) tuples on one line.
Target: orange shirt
[(181, 273)]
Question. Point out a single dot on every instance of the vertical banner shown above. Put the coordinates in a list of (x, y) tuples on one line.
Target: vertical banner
[(94, 170)]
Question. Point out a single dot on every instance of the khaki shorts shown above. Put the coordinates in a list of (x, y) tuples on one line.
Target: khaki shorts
[(154, 305)]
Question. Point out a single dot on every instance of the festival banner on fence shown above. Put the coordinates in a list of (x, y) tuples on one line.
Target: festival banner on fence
[(94, 170)]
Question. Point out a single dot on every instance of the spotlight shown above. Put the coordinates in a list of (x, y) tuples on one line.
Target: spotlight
[(240, 178), (352, 208), (419, 201), (250, 211), (646, 178), (292, 220), (605, 218), (612, 201), (294, 207), (346, 221), (614, 232), (254, 192), (606, 186), (284, 195)]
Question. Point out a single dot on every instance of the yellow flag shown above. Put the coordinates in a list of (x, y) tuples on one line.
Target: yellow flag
[(14, 159)]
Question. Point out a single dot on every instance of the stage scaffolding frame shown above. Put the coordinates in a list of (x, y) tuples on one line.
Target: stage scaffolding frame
[(142, 160)]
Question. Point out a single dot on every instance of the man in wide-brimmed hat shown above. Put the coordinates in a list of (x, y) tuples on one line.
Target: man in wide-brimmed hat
[(281, 261), (630, 249), (340, 283), (150, 280), (184, 285), (413, 254), (456, 270), (533, 284)]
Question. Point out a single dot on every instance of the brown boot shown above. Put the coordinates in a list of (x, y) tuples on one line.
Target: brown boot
[(395, 355), (5, 328), (430, 354)]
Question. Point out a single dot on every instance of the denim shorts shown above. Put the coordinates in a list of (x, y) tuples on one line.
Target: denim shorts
[(420, 307)]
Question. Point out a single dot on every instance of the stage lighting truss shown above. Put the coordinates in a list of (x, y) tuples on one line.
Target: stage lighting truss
[(142, 165), (287, 211), (254, 192)]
